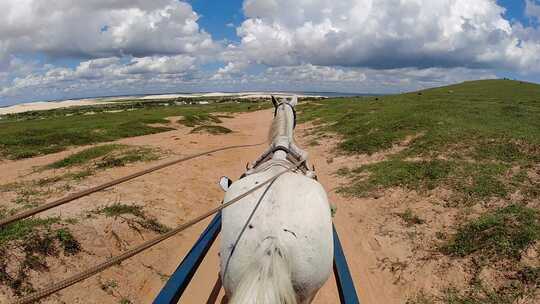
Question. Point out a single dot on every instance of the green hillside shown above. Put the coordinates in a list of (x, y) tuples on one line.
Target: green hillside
[(477, 129), (458, 114)]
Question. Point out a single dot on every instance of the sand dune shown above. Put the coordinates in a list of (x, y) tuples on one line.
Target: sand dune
[(44, 105)]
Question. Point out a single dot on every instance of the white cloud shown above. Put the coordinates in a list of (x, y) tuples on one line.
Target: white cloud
[(100, 28), (532, 9), (308, 77), (231, 69), (309, 73), (106, 74), (383, 34)]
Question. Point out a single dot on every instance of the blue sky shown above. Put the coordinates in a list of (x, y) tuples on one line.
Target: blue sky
[(364, 46), (218, 16)]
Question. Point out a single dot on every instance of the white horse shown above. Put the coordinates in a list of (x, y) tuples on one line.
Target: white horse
[(277, 243)]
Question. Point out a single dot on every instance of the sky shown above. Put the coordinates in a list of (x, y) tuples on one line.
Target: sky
[(62, 49)]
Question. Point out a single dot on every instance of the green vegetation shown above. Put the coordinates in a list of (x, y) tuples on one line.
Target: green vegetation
[(393, 173), (37, 133), (23, 228), (506, 232), (121, 209), (109, 286), (410, 218), (138, 216), (70, 245), (203, 123), (449, 118), (24, 246), (524, 281), (211, 129), (464, 137), (105, 156), (478, 296), (86, 155), (480, 180), (198, 119), (79, 174), (127, 156), (31, 193), (420, 298)]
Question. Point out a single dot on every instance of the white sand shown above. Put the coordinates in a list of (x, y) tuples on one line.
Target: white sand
[(41, 105)]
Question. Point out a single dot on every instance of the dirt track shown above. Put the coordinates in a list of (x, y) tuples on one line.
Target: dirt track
[(387, 263)]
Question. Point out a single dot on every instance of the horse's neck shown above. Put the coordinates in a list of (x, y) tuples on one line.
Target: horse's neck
[(282, 135)]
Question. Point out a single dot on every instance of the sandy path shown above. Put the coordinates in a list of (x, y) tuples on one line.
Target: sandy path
[(181, 192)]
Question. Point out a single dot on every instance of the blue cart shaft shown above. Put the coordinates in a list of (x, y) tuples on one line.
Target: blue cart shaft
[(179, 280), (345, 283)]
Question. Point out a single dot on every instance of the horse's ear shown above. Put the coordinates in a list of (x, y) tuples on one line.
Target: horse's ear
[(294, 101), (274, 101)]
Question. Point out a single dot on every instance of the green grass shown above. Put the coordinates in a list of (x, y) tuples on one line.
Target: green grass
[(121, 209), (85, 156), (38, 133), (105, 156), (420, 298), (79, 175), (109, 286), (27, 194), (503, 233), (127, 156), (68, 242), (480, 180), (498, 111), (410, 218), (398, 173), (21, 229), (467, 136), (141, 219), (524, 281), (25, 246), (198, 119), (211, 129)]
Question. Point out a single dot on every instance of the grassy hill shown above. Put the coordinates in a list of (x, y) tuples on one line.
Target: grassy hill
[(478, 141), (478, 129)]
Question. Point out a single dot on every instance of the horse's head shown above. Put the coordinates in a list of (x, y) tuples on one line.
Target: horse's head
[(292, 101)]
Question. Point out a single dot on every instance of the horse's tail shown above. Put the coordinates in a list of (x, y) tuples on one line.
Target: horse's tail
[(267, 280)]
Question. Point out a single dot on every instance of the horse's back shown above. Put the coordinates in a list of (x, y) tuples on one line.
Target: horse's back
[(293, 209)]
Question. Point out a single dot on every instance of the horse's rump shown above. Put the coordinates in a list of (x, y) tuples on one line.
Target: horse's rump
[(294, 211)]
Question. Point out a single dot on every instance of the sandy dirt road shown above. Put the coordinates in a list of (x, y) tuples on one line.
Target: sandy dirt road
[(384, 264)]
